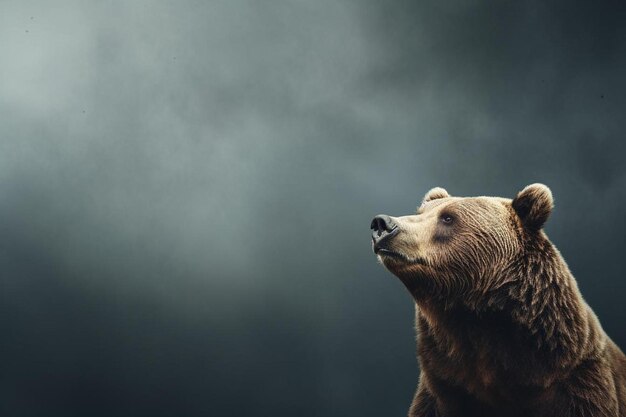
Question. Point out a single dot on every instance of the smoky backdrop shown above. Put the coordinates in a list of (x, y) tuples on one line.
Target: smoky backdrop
[(186, 188)]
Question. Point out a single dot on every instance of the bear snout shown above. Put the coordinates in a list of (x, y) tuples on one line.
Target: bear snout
[(384, 228), (382, 223)]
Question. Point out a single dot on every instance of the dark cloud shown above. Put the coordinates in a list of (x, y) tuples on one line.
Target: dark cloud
[(185, 190)]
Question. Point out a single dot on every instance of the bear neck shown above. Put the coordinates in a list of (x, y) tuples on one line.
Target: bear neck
[(535, 304), (546, 301)]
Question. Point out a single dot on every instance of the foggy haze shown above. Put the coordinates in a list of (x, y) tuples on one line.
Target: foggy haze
[(186, 188)]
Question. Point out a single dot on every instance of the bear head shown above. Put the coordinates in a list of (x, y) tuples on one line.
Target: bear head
[(464, 249)]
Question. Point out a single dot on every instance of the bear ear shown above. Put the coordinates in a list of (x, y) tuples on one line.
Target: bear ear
[(533, 205), (436, 193)]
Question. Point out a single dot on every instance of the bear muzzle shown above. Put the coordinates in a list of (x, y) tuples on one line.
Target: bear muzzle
[(384, 229)]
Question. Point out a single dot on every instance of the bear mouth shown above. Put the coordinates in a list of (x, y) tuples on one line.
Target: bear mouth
[(388, 253), (391, 254), (380, 245)]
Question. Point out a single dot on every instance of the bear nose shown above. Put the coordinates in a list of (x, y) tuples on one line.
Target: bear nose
[(382, 223)]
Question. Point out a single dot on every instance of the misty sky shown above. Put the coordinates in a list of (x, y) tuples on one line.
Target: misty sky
[(186, 188)]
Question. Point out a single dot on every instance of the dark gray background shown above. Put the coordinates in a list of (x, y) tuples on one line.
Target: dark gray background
[(186, 188)]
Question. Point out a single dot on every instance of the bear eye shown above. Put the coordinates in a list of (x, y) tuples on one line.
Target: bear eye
[(446, 219)]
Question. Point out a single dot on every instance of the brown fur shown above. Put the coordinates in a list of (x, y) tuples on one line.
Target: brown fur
[(502, 327)]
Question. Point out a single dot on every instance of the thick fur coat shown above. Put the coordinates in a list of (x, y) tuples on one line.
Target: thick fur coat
[(502, 327)]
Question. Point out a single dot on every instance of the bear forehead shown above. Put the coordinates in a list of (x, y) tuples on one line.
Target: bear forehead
[(468, 205)]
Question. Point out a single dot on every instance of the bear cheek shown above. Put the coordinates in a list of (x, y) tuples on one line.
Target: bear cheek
[(416, 247)]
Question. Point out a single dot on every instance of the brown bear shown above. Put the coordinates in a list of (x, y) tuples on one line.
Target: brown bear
[(502, 328)]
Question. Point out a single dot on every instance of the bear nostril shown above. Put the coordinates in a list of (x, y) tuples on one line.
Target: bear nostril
[(382, 223)]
